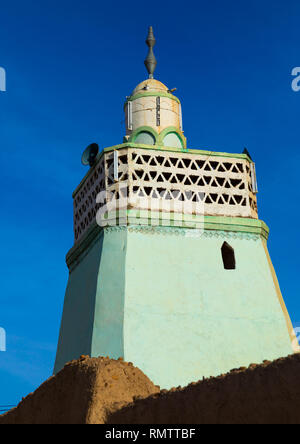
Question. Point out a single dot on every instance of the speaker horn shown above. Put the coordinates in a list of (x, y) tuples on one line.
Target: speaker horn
[(90, 154)]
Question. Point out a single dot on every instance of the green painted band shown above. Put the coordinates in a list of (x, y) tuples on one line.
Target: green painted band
[(209, 153), (140, 219), (152, 94)]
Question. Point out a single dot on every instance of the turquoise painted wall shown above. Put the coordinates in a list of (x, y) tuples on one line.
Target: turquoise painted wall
[(76, 329), (161, 299), (93, 314), (109, 309), (186, 317)]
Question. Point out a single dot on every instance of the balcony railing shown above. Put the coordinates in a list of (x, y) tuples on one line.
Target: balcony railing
[(136, 178)]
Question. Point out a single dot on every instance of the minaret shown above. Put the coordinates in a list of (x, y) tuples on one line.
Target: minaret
[(170, 268)]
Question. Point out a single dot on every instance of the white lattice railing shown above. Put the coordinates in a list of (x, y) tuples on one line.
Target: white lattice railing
[(167, 181)]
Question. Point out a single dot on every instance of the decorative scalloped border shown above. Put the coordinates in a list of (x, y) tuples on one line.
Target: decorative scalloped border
[(183, 232)]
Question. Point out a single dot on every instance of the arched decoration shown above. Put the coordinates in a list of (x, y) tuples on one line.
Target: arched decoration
[(172, 135), (228, 256), (145, 135), (172, 140), (145, 138)]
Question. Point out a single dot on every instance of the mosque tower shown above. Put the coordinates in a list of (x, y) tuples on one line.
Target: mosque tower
[(170, 268)]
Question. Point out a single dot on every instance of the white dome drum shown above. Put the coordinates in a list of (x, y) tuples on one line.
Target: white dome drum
[(152, 106)]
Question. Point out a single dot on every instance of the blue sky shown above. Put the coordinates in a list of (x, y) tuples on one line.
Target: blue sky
[(69, 66)]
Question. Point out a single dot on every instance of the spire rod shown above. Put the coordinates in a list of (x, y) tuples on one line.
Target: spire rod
[(150, 61)]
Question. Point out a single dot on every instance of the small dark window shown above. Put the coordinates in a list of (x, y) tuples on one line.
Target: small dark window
[(228, 256)]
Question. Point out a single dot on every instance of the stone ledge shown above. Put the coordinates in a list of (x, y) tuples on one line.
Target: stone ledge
[(167, 224)]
